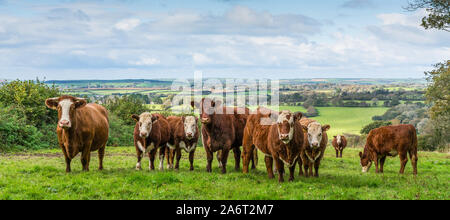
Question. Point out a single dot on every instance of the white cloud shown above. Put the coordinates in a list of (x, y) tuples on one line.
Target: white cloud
[(128, 24), (145, 61)]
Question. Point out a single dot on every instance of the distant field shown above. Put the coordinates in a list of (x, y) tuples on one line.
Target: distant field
[(41, 175), (343, 119)]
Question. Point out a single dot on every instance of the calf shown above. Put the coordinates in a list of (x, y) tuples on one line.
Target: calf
[(339, 143), (222, 130), (281, 141), (390, 141), (183, 135), (316, 140), (81, 128), (150, 133)]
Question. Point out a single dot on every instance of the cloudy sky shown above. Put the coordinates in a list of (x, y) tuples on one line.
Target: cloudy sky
[(117, 39)]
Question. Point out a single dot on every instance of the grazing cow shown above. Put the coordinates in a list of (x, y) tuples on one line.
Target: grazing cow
[(184, 135), (222, 130), (339, 143), (81, 128), (390, 141), (316, 140), (281, 141), (151, 132)]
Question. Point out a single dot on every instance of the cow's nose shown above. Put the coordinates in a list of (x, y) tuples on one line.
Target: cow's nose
[(284, 136), (189, 134), (315, 144), (64, 123), (144, 134), (205, 120)]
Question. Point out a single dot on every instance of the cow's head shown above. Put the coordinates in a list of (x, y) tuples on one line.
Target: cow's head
[(146, 121), (338, 139), (285, 124), (315, 133), (190, 126), (66, 107), (207, 109), (366, 160)]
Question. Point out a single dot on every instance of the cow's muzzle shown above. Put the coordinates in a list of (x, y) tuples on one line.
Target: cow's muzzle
[(64, 124)]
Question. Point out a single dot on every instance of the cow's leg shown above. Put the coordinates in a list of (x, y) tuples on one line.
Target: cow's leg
[(68, 160), (376, 164), (178, 152), (413, 157), (101, 155), (300, 166), (85, 158), (246, 155), (237, 158), (269, 166), (382, 160), (316, 167), (403, 161), (151, 156), (280, 167), (219, 157), (191, 159), (139, 154), (310, 167), (167, 154), (209, 158), (162, 151), (254, 159), (224, 157), (291, 172), (341, 153), (337, 153)]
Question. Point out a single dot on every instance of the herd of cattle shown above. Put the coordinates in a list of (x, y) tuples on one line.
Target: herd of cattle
[(284, 137)]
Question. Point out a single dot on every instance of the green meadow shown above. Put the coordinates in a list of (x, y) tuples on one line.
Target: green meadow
[(41, 175)]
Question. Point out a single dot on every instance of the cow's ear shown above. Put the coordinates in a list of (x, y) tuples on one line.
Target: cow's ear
[(80, 103), (334, 136), (325, 127), (360, 154), (135, 117), (155, 118), (183, 119), (52, 103), (297, 116)]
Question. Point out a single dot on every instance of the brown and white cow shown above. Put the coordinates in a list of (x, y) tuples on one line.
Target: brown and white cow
[(339, 143), (151, 132), (81, 128), (222, 130), (280, 140), (316, 140), (184, 135), (390, 141)]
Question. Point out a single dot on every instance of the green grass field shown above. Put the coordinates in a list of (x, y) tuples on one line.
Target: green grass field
[(41, 175)]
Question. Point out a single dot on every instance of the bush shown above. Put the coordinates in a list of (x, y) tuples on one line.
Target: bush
[(426, 143), (366, 129), (123, 107), (120, 133)]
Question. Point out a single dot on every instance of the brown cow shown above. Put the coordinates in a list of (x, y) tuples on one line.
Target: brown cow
[(221, 131), (151, 132), (184, 135), (316, 140), (390, 141), (281, 141), (339, 143), (81, 128)]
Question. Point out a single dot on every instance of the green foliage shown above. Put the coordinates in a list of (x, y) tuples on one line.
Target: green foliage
[(29, 98), (438, 13), (16, 134), (126, 106), (366, 129), (120, 133)]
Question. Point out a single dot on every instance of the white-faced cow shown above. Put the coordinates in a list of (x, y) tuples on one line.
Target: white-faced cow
[(390, 141), (184, 134), (151, 132), (316, 140), (280, 140), (339, 143), (81, 128)]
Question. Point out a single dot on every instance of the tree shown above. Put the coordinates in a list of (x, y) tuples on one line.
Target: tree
[(438, 91), (438, 13), (374, 125)]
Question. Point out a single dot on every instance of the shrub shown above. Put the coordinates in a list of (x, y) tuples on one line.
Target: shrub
[(124, 107), (120, 133), (366, 129)]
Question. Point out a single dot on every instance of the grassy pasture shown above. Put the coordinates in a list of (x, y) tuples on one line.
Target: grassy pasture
[(40, 175)]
